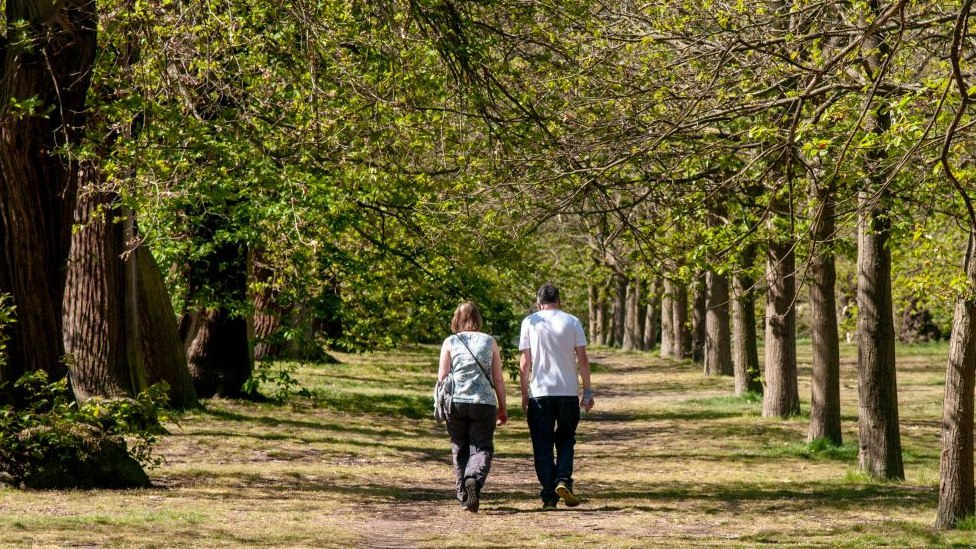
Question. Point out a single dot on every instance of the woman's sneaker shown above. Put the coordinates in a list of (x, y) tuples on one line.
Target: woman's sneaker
[(471, 503), (569, 498)]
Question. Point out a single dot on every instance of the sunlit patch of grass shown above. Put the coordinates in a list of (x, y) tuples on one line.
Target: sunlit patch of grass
[(749, 404), (410, 406), (966, 524), (819, 449), (926, 349)]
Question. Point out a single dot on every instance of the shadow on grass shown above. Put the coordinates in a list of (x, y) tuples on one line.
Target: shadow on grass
[(651, 497)]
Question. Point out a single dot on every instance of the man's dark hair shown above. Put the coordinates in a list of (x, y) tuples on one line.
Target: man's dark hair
[(548, 293)]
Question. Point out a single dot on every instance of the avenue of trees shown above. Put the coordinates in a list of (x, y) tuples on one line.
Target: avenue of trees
[(187, 188)]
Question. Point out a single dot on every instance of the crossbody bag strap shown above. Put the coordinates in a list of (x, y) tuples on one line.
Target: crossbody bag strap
[(483, 370)]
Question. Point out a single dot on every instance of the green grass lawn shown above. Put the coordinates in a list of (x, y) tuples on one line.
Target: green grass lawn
[(667, 459)]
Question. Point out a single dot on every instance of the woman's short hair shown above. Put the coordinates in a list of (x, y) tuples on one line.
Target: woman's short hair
[(466, 318)]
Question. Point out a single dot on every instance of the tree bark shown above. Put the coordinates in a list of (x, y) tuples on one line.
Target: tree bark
[(745, 358), (825, 381), (650, 324), (218, 351), (681, 347), (781, 395), (593, 299), (619, 308), (631, 324), (601, 319), (880, 439), (667, 320), (269, 316), (38, 186), (95, 317), (162, 349), (698, 319), (718, 339), (956, 491), (639, 308)]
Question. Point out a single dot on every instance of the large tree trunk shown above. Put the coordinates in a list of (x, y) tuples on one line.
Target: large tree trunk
[(667, 320), (781, 396), (650, 323), (162, 349), (698, 321), (825, 382), (632, 323), (218, 351), (880, 439), (95, 315), (745, 357), (38, 185), (956, 493), (619, 309), (718, 339), (269, 316), (681, 347)]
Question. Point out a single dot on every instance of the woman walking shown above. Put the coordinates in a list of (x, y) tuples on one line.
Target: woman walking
[(472, 358)]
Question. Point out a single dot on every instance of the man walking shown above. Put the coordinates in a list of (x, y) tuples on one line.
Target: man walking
[(553, 345)]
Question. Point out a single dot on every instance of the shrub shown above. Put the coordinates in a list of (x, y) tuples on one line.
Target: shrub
[(51, 441)]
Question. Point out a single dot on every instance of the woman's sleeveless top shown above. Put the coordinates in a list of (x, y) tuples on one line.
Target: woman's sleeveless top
[(471, 383)]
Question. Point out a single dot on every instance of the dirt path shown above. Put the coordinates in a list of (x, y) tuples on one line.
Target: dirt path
[(510, 499)]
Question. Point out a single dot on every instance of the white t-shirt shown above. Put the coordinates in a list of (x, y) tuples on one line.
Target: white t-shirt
[(552, 336)]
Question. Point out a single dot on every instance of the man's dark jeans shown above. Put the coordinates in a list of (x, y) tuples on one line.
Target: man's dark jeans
[(552, 424), (472, 430)]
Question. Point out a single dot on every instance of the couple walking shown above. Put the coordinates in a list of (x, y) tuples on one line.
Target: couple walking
[(552, 344)]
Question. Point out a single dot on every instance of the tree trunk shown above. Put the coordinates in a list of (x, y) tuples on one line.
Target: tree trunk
[(601, 320), (639, 309), (698, 320), (880, 440), (631, 334), (95, 316), (162, 349), (619, 309), (956, 495), (650, 323), (781, 395), (593, 299), (667, 320), (269, 316), (745, 358), (218, 351), (38, 186), (825, 381), (681, 348), (718, 339)]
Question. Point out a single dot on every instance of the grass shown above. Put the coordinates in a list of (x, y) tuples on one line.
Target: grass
[(667, 459)]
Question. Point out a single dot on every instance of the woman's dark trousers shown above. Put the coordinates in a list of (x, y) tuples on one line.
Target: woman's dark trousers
[(552, 424), (472, 428)]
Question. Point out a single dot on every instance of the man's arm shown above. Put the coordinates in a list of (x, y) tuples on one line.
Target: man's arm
[(525, 364), (583, 361)]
